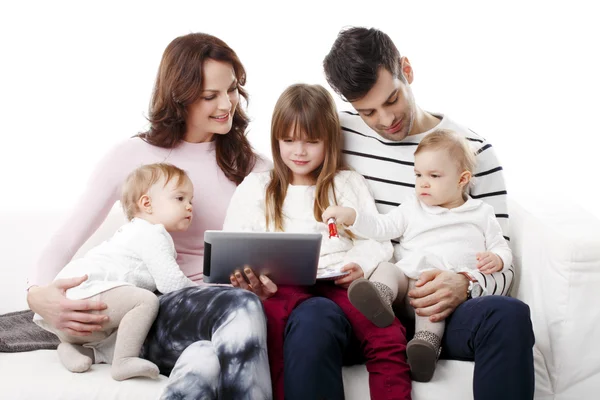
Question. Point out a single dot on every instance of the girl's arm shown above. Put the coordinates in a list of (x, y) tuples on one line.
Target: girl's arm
[(495, 242), (246, 211), (367, 253), (377, 226), (497, 283)]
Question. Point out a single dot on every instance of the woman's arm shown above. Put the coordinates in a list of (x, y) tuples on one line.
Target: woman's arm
[(47, 298)]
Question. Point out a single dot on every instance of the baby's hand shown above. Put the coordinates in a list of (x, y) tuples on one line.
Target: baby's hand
[(342, 215), (488, 262)]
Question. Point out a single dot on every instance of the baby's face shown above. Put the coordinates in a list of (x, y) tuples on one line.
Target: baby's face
[(172, 204), (438, 179)]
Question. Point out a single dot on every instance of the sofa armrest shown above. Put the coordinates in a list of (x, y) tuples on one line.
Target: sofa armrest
[(557, 257)]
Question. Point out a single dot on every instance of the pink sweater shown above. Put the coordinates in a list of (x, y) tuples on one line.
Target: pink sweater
[(212, 193)]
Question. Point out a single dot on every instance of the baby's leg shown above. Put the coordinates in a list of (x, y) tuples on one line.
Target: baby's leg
[(75, 357), (424, 349), (71, 352), (133, 311), (374, 297)]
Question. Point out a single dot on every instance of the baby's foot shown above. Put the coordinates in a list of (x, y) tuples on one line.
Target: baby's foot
[(373, 300), (131, 367), (75, 357), (423, 351)]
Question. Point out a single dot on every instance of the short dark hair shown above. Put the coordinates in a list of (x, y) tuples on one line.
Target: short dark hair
[(354, 60)]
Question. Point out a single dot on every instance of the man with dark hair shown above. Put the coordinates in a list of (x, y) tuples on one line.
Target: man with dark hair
[(366, 69)]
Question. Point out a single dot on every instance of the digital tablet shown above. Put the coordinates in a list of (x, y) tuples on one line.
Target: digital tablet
[(286, 258)]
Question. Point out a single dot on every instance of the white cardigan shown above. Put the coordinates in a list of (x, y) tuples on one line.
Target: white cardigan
[(247, 213)]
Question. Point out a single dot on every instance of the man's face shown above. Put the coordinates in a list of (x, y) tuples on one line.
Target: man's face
[(389, 107)]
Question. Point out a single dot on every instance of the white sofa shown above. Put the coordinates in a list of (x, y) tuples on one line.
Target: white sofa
[(557, 255)]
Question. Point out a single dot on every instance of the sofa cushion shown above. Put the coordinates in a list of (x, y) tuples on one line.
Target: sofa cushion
[(39, 375)]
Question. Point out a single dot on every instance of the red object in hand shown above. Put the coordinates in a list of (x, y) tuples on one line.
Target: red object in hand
[(332, 228)]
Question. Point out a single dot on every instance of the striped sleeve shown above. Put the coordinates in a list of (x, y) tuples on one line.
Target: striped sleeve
[(488, 185)]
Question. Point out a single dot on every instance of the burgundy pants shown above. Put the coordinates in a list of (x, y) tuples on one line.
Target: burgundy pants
[(383, 348)]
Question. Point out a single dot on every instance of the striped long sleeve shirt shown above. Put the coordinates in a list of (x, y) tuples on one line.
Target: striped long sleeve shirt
[(388, 167)]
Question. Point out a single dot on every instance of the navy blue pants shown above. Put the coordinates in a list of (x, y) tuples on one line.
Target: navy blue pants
[(493, 331)]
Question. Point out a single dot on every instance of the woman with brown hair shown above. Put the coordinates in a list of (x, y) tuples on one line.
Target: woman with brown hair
[(211, 340)]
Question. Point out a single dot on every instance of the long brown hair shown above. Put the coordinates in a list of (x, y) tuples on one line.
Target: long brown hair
[(309, 113), (179, 84)]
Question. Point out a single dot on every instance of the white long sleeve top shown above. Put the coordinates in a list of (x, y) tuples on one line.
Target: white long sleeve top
[(247, 213), (437, 237), (140, 253), (388, 167)]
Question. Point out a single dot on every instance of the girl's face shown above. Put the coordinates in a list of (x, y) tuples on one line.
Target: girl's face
[(213, 112), (302, 157), (439, 182)]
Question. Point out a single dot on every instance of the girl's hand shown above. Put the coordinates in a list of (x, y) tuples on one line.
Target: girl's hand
[(342, 215), (263, 287), (488, 262), (355, 273), (73, 317)]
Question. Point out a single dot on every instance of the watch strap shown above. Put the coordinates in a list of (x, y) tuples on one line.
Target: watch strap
[(472, 281)]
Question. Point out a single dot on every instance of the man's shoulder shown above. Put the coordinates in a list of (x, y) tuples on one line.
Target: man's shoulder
[(351, 122), (472, 136)]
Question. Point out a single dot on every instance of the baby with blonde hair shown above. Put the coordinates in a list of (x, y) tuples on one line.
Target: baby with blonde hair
[(124, 271), (440, 228)]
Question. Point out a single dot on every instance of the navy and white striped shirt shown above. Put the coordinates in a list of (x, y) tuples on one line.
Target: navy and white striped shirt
[(388, 167)]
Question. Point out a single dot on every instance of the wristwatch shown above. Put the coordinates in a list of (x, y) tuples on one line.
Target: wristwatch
[(474, 290)]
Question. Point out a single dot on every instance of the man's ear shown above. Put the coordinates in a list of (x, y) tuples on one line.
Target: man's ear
[(464, 179), (145, 204), (406, 70)]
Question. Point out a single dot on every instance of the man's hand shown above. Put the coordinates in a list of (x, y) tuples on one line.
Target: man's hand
[(73, 317), (438, 293), (355, 273), (342, 215), (488, 262), (263, 287)]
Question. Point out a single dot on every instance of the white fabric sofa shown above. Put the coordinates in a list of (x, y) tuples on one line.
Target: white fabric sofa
[(557, 255)]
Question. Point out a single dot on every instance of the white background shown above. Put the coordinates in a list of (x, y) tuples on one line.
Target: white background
[(76, 78)]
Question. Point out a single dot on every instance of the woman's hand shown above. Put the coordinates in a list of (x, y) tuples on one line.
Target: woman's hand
[(70, 316), (263, 287), (355, 273), (342, 215)]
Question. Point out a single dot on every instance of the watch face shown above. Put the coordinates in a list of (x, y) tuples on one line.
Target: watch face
[(476, 291)]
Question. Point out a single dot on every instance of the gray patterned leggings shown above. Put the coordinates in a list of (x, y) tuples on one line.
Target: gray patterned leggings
[(212, 343)]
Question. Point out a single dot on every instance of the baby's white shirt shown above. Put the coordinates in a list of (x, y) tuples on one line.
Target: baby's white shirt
[(140, 253), (437, 237)]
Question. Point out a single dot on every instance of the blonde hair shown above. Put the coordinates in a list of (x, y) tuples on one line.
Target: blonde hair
[(310, 112), (457, 147), (142, 179)]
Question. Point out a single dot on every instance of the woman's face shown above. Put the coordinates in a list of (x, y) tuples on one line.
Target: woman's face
[(213, 112)]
